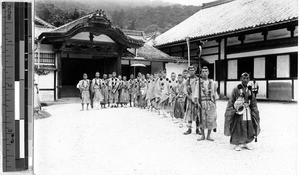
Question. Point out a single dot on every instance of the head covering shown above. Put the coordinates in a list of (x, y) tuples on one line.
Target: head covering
[(191, 68), (245, 74)]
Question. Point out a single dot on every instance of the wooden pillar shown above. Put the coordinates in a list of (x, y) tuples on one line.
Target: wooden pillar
[(119, 65), (292, 30), (241, 38), (188, 49), (225, 58), (59, 74), (265, 34), (182, 50), (55, 89), (219, 59)]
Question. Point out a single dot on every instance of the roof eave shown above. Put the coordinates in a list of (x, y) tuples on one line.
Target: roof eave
[(237, 32)]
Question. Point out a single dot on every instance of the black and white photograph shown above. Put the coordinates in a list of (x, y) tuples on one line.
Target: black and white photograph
[(149, 87)]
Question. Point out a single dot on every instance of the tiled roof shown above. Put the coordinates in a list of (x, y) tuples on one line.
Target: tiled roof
[(66, 27), (88, 21), (136, 33), (229, 17), (150, 53), (40, 22), (39, 29), (41, 26)]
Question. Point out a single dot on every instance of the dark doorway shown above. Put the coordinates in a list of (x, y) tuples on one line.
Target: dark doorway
[(73, 69), (245, 65), (271, 64), (143, 70), (127, 70)]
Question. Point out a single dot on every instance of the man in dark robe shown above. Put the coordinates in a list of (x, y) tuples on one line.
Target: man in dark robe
[(242, 116)]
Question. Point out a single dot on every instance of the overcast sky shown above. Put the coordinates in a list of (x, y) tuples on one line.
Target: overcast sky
[(183, 2), (188, 2)]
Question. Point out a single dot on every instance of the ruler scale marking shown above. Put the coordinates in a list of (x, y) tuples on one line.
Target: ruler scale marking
[(16, 49)]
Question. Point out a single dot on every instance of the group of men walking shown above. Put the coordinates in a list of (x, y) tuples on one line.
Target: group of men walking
[(185, 97)]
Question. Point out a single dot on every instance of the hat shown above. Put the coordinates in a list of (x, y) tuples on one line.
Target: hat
[(245, 74), (191, 68)]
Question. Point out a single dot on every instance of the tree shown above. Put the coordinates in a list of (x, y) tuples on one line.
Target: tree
[(132, 25), (115, 18), (75, 14), (121, 17)]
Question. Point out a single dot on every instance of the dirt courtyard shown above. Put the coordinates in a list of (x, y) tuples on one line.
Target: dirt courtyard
[(132, 141)]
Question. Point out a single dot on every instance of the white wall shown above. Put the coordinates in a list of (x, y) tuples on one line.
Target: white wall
[(174, 67), (46, 81), (221, 87), (230, 86), (296, 90), (211, 58), (263, 52), (262, 91)]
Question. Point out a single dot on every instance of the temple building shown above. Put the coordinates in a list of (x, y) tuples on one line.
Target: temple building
[(255, 36), (86, 45)]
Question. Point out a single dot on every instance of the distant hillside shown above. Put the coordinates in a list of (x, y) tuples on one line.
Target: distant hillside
[(149, 16)]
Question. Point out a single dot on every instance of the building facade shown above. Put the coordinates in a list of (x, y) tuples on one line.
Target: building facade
[(258, 37), (87, 45)]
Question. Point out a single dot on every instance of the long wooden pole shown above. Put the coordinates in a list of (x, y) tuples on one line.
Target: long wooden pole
[(200, 98), (188, 48)]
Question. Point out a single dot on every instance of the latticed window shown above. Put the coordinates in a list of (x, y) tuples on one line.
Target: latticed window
[(45, 58)]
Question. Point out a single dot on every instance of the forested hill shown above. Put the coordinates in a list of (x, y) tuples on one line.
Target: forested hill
[(149, 17)]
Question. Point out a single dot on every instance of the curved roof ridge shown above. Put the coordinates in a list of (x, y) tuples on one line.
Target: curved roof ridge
[(40, 20)]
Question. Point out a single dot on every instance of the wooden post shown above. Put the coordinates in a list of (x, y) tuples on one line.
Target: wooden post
[(188, 48), (200, 98), (59, 74), (119, 60), (219, 59)]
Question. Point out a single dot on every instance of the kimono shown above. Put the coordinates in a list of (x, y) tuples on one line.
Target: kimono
[(84, 86), (131, 90), (179, 100), (105, 91), (119, 91), (172, 95), (143, 91), (191, 104), (208, 118), (36, 102), (124, 97), (136, 89), (150, 90), (113, 87), (96, 89), (242, 116), (164, 92)]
